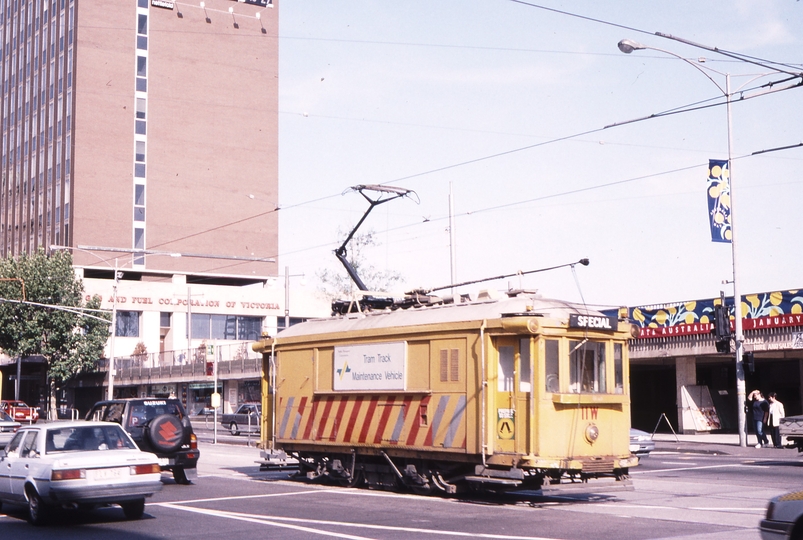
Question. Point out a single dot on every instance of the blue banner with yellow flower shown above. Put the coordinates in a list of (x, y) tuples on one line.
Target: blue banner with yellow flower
[(719, 200), (763, 310)]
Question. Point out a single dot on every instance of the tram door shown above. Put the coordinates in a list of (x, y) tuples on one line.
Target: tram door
[(510, 412)]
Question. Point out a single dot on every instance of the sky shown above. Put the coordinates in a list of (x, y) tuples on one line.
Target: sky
[(505, 104)]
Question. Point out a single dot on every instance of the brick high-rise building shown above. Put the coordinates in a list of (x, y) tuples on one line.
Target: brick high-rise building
[(141, 125), (134, 129)]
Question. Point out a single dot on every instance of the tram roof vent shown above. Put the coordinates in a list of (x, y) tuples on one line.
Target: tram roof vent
[(460, 298), (489, 294)]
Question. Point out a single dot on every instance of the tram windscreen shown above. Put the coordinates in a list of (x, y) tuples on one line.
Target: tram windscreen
[(587, 367)]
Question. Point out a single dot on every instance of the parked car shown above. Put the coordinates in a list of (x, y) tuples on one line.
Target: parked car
[(247, 418), (76, 465), (641, 443), (157, 425), (8, 427), (19, 411), (784, 518)]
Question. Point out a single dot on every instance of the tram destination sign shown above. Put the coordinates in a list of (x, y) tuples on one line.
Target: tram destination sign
[(374, 366), (593, 322)]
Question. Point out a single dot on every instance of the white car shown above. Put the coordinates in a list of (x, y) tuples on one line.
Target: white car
[(76, 465), (8, 427)]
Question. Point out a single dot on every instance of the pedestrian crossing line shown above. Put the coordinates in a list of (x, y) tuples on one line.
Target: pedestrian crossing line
[(307, 525)]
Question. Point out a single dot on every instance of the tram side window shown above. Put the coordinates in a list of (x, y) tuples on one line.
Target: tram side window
[(618, 370), (552, 362), (525, 379), (587, 367), (505, 369)]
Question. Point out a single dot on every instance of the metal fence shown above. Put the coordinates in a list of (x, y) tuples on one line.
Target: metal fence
[(232, 359)]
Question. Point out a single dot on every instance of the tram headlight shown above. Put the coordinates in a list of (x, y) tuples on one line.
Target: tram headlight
[(592, 433)]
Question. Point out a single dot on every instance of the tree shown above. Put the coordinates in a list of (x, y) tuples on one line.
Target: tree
[(338, 284), (69, 337)]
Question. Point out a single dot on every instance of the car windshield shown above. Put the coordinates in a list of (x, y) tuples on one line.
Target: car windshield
[(89, 438), (5, 418)]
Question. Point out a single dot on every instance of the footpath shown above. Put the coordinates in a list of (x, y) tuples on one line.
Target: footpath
[(719, 444)]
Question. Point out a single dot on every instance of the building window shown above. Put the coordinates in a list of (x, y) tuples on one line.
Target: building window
[(141, 108), (139, 195), (139, 238), (142, 84), (139, 153), (249, 328), (293, 320), (140, 127), (139, 213), (139, 170), (142, 25), (142, 43), (164, 319), (127, 324), (226, 327)]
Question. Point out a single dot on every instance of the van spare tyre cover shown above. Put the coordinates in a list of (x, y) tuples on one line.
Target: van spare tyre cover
[(165, 433)]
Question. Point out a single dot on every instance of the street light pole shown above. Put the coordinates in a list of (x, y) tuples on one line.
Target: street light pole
[(738, 338), (110, 390), (627, 46)]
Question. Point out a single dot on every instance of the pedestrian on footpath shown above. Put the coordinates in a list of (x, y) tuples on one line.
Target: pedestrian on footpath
[(761, 411), (776, 413)]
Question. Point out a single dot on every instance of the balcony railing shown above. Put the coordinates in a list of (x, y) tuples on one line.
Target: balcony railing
[(233, 361)]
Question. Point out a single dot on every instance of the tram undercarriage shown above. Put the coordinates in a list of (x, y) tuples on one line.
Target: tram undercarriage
[(425, 477)]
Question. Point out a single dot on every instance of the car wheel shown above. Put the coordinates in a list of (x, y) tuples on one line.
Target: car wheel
[(134, 509), (165, 433), (180, 476), (233, 428), (38, 511)]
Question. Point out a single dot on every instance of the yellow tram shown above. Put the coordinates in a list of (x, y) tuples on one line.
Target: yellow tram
[(501, 392)]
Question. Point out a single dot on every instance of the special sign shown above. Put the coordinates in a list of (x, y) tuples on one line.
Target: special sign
[(375, 366), (593, 322)]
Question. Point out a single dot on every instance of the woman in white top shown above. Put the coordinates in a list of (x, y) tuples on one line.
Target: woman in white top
[(774, 422)]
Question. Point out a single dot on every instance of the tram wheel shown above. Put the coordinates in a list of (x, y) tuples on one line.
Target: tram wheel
[(354, 481), (425, 489)]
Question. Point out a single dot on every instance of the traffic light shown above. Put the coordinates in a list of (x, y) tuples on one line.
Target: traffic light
[(749, 361), (722, 328), (210, 368)]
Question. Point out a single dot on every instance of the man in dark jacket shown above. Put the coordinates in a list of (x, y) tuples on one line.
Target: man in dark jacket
[(761, 410)]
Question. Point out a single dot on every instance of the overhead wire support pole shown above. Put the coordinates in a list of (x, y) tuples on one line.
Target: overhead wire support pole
[(628, 46)]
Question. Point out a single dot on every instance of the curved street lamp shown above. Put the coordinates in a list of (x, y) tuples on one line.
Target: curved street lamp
[(627, 46)]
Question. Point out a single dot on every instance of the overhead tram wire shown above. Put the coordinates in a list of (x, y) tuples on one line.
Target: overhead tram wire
[(768, 64), (677, 110), (681, 109)]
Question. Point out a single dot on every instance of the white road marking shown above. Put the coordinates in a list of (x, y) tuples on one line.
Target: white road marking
[(690, 468), (290, 524)]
